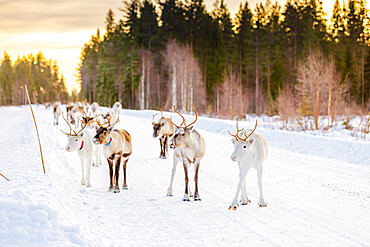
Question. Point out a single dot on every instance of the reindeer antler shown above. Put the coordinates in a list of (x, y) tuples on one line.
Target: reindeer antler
[(82, 129), (183, 119), (196, 117), (238, 130), (154, 116), (70, 131), (108, 123), (246, 137), (70, 128)]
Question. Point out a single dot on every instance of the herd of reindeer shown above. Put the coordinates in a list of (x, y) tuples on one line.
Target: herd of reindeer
[(94, 136)]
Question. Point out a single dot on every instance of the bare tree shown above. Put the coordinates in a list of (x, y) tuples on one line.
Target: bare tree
[(185, 74), (286, 104), (232, 96), (319, 85)]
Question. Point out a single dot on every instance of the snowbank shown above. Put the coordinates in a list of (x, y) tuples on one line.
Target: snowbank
[(24, 223), (329, 147)]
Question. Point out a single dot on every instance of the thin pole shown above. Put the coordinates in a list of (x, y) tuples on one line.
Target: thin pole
[(34, 120), (4, 176)]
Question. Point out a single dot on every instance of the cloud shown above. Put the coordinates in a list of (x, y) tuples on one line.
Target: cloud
[(27, 16)]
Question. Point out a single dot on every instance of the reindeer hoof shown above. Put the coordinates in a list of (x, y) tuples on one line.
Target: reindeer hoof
[(234, 207), (244, 202), (197, 199), (186, 199), (262, 205), (168, 194), (125, 188), (116, 191), (110, 189)]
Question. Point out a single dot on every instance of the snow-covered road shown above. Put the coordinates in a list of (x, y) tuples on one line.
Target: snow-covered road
[(312, 200)]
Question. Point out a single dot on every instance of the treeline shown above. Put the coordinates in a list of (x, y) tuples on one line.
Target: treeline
[(42, 77), (155, 55)]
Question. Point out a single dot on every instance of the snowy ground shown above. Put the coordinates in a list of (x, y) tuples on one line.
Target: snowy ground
[(317, 190)]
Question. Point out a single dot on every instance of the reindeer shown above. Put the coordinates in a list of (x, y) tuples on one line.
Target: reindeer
[(56, 112), (77, 113), (189, 146), (90, 122), (248, 153), (117, 107), (94, 107), (163, 129), (116, 144), (69, 108), (86, 150)]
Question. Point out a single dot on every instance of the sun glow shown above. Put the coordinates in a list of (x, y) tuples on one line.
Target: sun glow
[(65, 48), (60, 28)]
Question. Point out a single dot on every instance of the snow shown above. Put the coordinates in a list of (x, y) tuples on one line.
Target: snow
[(317, 189)]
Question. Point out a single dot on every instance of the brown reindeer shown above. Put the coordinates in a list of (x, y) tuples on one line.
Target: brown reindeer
[(189, 146), (163, 129), (116, 145)]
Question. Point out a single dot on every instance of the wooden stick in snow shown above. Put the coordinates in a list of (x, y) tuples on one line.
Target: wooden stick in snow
[(38, 137), (4, 176)]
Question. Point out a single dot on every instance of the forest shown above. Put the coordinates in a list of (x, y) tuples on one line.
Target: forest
[(268, 59), (41, 76)]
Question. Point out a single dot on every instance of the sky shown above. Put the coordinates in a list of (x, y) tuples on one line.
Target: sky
[(59, 28)]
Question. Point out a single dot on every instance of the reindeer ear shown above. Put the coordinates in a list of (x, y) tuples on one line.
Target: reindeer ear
[(190, 129), (110, 128), (162, 124), (81, 134), (251, 141), (233, 141)]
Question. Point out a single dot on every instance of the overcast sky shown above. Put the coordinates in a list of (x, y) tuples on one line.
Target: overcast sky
[(59, 28)]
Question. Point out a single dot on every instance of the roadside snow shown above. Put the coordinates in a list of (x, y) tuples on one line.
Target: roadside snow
[(317, 196)]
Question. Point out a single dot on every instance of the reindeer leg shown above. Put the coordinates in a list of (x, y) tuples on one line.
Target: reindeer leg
[(243, 172), (110, 163), (118, 166), (160, 143), (176, 159), (244, 198), (88, 166), (196, 194), (124, 186), (261, 202), (165, 147), (99, 162), (83, 180), (186, 194)]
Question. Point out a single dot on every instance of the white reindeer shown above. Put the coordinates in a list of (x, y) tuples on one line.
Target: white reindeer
[(248, 153), (94, 108), (56, 112), (82, 143), (189, 147), (116, 145), (89, 121), (117, 107)]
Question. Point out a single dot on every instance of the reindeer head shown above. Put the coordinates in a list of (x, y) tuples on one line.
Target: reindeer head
[(182, 134), (75, 141), (242, 146), (157, 127), (103, 132)]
